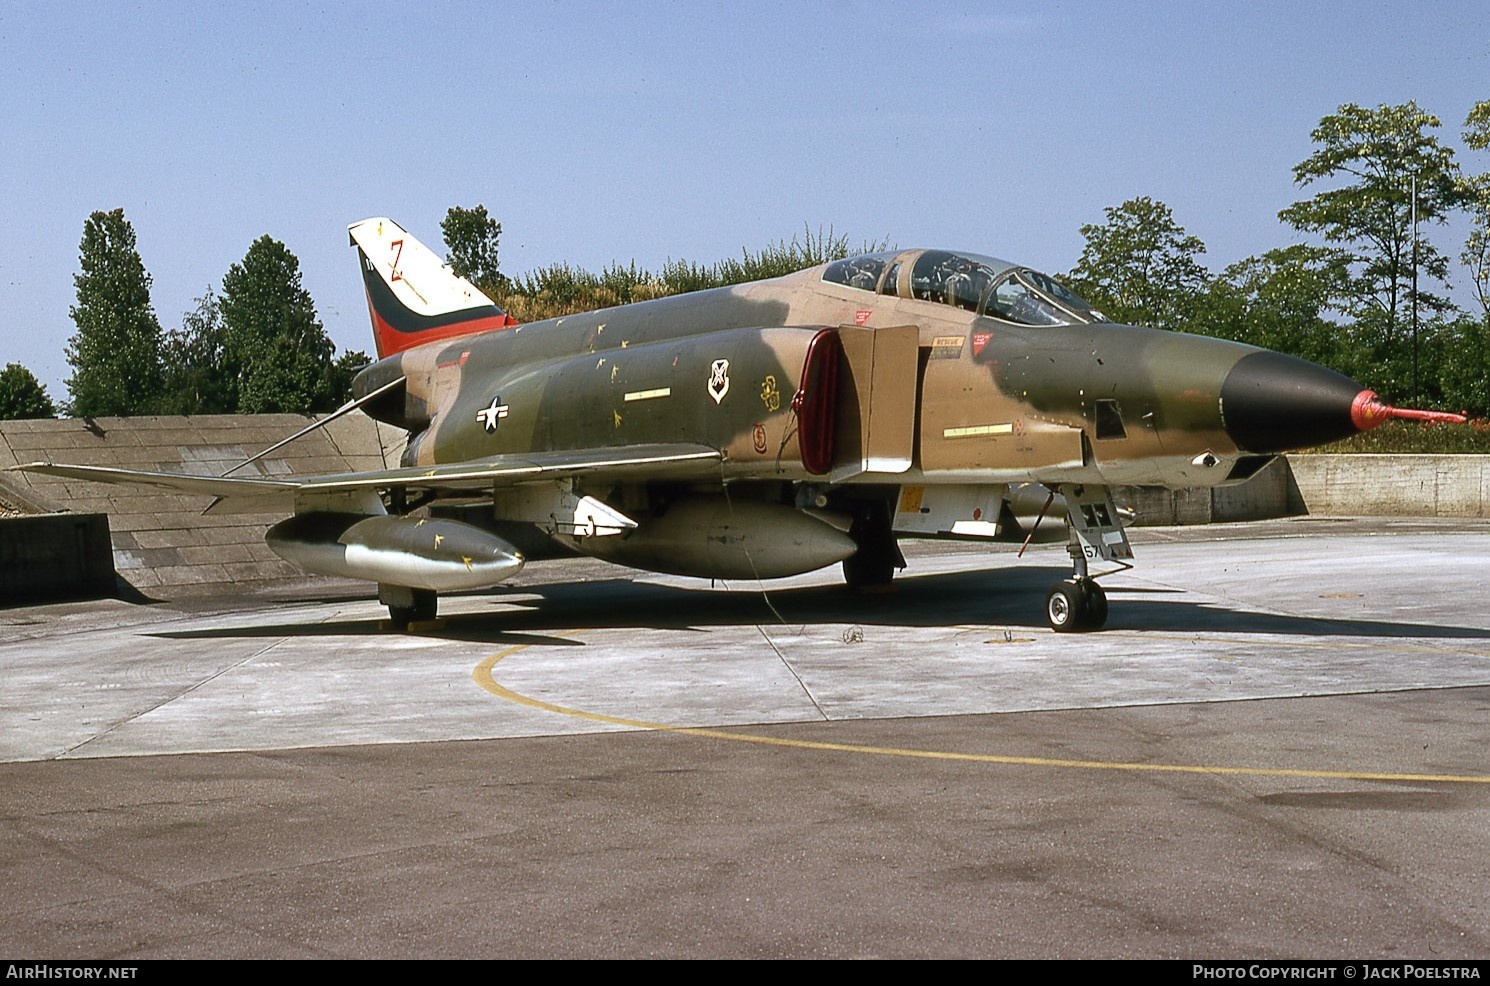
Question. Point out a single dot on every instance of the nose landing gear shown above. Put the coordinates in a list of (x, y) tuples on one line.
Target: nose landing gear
[(1078, 604)]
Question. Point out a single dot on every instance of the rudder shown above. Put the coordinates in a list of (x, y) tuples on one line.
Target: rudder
[(412, 296)]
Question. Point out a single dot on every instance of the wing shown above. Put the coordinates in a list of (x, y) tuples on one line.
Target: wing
[(262, 495)]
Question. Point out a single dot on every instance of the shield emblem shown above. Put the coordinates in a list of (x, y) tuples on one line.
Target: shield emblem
[(719, 380)]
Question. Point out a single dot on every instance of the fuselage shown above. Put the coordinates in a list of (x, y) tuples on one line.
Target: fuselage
[(974, 397)]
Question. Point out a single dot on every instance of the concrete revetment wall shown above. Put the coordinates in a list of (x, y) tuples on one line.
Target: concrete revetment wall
[(1391, 485), (1330, 486), (55, 556), (161, 542)]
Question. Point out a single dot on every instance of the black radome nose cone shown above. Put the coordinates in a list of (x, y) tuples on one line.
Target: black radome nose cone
[(1276, 403)]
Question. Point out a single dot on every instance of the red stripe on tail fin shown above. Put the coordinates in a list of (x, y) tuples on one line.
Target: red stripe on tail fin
[(412, 296)]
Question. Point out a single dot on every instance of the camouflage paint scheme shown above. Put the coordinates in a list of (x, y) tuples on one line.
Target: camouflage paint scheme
[(571, 383), (776, 427)]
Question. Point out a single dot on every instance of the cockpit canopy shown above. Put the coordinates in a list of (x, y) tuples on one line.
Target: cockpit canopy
[(985, 285)]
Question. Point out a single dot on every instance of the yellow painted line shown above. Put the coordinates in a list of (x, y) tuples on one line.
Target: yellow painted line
[(482, 675), (974, 431), (647, 395)]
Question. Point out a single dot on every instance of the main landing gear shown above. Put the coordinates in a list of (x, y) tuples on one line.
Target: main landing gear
[(874, 564), (407, 605)]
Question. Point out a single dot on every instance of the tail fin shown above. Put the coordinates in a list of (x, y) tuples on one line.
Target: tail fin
[(412, 296)]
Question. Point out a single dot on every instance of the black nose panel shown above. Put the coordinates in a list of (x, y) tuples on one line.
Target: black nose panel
[(1276, 403)]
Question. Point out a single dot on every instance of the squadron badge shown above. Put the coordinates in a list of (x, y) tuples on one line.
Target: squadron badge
[(771, 394), (719, 380)]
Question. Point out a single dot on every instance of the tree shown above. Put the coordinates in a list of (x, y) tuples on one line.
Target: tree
[(1476, 192), (471, 238), (1280, 300), (340, 372), (22, 396), (1379, 153), (115, 354), (195, 379), (1139, 266), (1463, 374), (274, 348)]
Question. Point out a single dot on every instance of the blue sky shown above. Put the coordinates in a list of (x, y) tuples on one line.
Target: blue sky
[(602, 131)]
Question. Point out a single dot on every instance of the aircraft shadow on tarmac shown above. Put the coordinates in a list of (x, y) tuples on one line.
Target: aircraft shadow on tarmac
[(994, 597)]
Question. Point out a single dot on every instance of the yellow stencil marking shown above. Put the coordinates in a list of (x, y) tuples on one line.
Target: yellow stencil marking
[(973, 431), (647, 395)]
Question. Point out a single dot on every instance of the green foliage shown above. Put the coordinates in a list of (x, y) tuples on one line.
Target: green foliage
[(1476, 193), (198, 380), (1139, 266), (22, 396), (471, 238), (195, 382), (1461, 365), (339, 374), (560, 289), (1414, 438), (115, 354), (1279, 301), (782, 257), (275, 352), (1477, 126), (1288, 299), (1378, 153)]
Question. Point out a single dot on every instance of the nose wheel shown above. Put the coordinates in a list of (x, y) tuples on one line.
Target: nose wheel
[(1076, 605)]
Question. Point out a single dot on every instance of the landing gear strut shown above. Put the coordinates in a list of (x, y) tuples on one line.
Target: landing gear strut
[(407, 605), (878, 557)]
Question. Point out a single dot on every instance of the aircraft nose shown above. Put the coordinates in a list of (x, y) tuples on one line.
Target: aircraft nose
[(1276, 403)]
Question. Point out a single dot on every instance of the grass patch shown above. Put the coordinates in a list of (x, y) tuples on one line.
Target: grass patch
[(1411, 438)]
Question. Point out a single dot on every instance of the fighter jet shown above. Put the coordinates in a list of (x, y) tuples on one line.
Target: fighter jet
[(774, 428)]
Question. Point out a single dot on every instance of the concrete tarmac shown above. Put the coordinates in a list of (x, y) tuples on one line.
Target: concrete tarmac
[(1278, 748)]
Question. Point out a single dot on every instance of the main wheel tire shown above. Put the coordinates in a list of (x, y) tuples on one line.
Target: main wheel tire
[(867, 567), (1066, 607), (878, 557), (426, 604), (1096, 606), (424, 607)]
